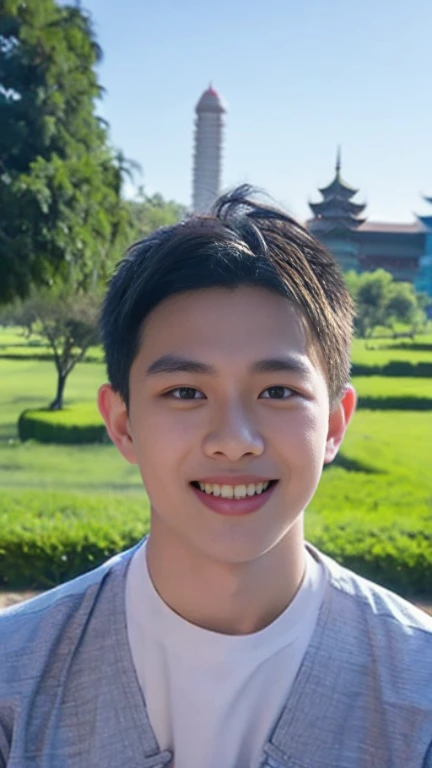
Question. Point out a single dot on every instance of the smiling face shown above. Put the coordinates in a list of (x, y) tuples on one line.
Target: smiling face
[(251, 401)]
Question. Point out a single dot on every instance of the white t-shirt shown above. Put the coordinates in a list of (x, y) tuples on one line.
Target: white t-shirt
[(213, 698)]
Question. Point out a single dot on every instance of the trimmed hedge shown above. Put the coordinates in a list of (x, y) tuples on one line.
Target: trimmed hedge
[(79, 424), (48, 538), (393, 368), (398, 403)]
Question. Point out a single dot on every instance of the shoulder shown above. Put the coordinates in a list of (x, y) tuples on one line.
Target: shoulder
[(34, 634), (375, 603), (385, 632)]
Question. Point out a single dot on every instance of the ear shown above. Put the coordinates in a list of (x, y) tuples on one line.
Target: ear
[(339, 419), (114, 413)]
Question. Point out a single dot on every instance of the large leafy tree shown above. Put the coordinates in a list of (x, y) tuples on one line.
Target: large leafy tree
[(60, 181)]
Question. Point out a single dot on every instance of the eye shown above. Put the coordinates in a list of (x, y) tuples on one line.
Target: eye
[(278, 393), (184, 393)]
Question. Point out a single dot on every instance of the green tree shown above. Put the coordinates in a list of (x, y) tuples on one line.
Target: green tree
[(60, 181), (149, 212), (370, 291), (382, 301), (69, 324)]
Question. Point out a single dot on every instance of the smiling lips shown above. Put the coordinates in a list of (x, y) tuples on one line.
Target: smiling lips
[(234, 491), (235, 495)]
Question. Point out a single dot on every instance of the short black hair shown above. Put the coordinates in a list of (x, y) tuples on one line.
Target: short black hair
[(240, 242)]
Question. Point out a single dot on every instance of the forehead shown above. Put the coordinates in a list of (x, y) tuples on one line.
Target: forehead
[(247, 321)]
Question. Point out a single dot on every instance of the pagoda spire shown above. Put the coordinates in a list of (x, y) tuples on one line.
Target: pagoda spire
[(336, 212), (338, 161)]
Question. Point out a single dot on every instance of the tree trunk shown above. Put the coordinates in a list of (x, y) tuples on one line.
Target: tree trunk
[(57, 403)]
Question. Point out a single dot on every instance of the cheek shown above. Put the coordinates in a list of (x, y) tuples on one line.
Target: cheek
[(163, 441), (301, 432), (300, 443)]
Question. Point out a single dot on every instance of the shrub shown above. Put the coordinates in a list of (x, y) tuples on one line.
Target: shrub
[(48, 538), (401, 403), (79, 424), (393, 368)]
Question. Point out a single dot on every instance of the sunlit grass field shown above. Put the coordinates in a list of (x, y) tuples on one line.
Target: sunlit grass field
[(373, 505), (393, 441), (397, 386)]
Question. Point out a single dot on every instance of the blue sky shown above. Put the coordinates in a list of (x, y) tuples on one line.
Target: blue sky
[(298, 77)]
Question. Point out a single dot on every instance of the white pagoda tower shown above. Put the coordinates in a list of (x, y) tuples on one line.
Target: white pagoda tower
[(208, 150)]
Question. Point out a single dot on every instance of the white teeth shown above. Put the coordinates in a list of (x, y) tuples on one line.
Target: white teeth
[(240, 491), (227, 491), (233, 491)]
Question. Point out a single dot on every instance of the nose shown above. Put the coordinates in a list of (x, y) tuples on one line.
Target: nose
[(233, 435)]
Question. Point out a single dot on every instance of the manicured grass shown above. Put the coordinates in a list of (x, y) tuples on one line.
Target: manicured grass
[(396, 437), (388, 386), (372, 509), (379, 351), (391, 444), (32, 383), (15, 344), (382, 351), (48, 537)]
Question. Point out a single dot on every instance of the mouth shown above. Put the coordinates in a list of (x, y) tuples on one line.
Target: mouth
[(234, 500), (234, 492)]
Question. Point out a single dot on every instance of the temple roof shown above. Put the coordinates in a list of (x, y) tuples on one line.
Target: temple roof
[(338, 187), (336, 210), (425, 221), (337, 207), (411, 228), (334, 225)]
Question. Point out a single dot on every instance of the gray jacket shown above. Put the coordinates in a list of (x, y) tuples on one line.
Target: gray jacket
[(69, 696)]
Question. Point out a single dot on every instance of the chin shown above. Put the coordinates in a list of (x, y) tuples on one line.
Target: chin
[(236, 547)]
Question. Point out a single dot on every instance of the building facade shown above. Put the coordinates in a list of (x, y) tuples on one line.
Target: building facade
[(404, 250)]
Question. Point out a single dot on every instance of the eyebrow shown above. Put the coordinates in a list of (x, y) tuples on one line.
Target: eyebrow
[(174, 364)]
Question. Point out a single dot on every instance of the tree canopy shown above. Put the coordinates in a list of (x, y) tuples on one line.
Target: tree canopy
[(382, 301), (149, 212), (60, 180)]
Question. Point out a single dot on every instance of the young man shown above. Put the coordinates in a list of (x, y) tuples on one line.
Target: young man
[(222, 640)]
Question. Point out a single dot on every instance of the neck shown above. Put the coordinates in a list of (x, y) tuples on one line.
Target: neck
[(229, 598)]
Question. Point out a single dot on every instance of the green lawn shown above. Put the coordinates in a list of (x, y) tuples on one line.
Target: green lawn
[(392, 386), (379, 439), (71, 506), (31, 384), (382, 351), (13, 342)]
